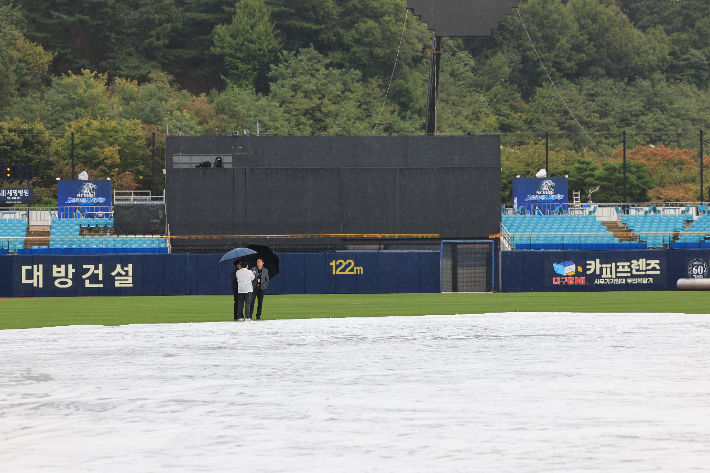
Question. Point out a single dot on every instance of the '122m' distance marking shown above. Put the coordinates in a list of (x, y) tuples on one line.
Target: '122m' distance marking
[(345, 267)]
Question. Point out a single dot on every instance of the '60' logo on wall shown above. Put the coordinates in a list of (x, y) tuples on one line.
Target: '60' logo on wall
[(697, 269)]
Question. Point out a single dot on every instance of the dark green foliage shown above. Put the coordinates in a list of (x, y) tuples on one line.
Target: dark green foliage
[(611, 180), (323, 66), (248, 45)]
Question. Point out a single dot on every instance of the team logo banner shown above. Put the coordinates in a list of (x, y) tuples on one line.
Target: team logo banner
[(610, 273), (91, 196), (530, 191)]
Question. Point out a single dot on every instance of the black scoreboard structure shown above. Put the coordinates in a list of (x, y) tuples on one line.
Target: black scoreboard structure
[(319, 193), (455, 18)]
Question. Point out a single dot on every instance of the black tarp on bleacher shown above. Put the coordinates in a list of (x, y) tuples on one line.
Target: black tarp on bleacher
[(139, 219)]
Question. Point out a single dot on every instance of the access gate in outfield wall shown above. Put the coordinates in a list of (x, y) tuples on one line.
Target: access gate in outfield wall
[(588, 271), (362, 272)]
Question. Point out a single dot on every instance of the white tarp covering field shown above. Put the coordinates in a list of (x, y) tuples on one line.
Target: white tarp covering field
[(486, 393)]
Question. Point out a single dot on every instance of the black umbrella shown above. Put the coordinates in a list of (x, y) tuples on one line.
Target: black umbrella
[(271, 261)]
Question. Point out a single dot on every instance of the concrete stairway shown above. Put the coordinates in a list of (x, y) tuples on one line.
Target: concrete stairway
[(37, 236), (620, 231)]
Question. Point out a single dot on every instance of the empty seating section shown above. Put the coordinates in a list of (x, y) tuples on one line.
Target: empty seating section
[(558, 232), (695, 236), (12, 234), (109, 242), (65, 234), (656, 230)]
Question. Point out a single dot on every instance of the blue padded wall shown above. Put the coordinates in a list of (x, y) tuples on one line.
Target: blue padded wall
[(293, 273), (5, 276), (276, 285), (408, 272), (20, 290), (174, 270), (153, 275), (316, 273), (224, 278), (430, 272), (202, 274), (387, 274), (207, 272), (367, 282)]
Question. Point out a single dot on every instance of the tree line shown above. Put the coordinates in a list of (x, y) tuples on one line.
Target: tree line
[(115, 72)]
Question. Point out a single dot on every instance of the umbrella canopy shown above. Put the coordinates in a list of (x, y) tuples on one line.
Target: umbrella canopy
[(271, 261), (237, 253)]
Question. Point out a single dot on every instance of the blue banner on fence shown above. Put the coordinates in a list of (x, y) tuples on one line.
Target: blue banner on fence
[(530, 191), (16, 196), (368, 272), (611, 270), (615, 271), (84, 197)]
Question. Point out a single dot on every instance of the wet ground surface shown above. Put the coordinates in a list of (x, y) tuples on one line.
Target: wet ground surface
[(498, 392)]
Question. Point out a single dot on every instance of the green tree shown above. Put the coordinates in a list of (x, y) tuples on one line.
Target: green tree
[(323, 100), (248, 45), (611, 180), (22, 63), (106, 147), (583, 176), (28, 143)]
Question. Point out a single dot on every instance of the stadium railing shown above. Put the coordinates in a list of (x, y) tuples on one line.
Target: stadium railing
[(613, 211)]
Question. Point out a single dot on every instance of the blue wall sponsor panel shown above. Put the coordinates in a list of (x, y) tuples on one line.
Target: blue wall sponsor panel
[(596, 271), (367, 272)]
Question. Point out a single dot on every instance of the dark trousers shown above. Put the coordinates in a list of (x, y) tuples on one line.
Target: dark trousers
[(242, 301), (258, 295)]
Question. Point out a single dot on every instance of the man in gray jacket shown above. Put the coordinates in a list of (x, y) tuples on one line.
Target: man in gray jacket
[(260, 284)]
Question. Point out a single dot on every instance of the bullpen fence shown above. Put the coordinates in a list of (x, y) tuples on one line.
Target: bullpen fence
[(365, 272)]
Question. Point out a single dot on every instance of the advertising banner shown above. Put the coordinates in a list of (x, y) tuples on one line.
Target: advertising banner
[(543, 193), (611, 272), (87, 198), (16, 196)]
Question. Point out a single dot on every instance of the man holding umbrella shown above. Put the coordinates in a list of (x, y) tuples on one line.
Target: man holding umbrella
[(241, 280), (261, 284), (242, 288)]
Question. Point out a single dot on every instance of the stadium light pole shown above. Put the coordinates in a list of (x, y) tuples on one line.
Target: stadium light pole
[(72, 155), (625, 200), (153, 163), (547, 153)]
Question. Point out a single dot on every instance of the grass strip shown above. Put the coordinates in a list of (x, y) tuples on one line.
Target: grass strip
[(48, 312)]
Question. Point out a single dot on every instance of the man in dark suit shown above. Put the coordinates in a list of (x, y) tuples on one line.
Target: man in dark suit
[(261, 284)]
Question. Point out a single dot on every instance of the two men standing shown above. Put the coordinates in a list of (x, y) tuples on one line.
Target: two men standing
[(248, 286)]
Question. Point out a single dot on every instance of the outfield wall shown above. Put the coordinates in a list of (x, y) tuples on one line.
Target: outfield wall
[(364, 272), (595, 271)]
